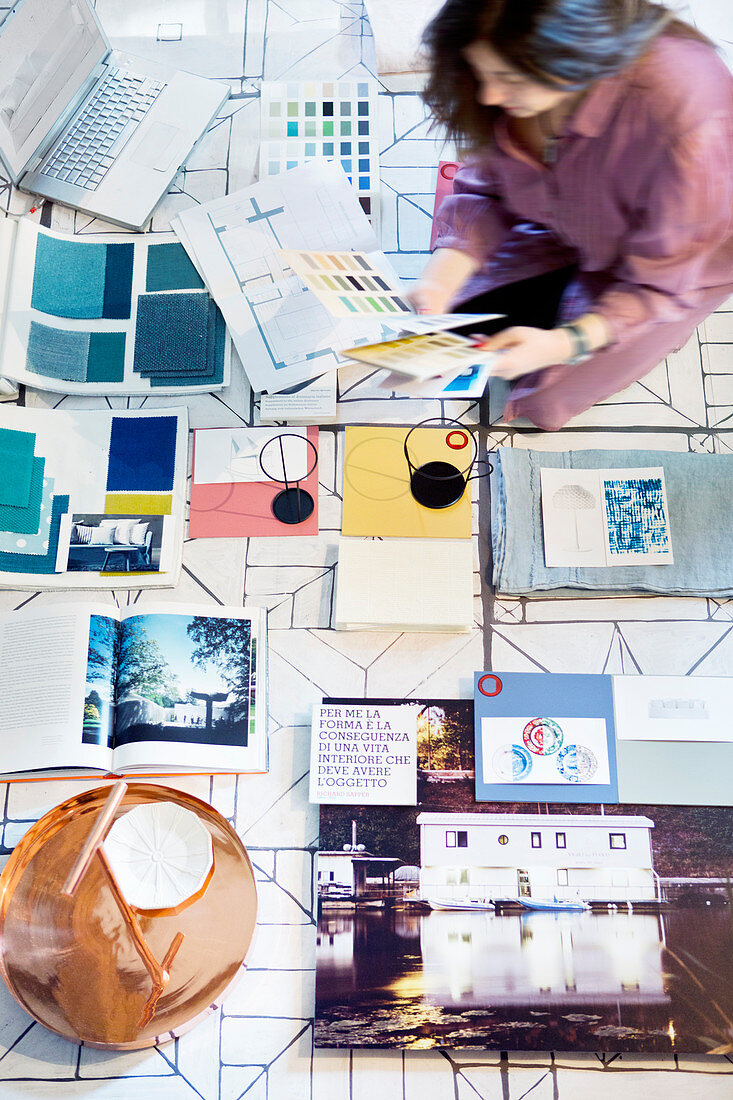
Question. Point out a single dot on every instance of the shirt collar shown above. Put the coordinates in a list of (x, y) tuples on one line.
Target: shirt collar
[(595, 108)]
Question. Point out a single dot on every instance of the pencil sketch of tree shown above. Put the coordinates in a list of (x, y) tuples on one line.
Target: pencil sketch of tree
[(574, 498)]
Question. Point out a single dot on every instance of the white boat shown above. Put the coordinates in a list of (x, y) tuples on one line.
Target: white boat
[(556, 905), (465, 905)]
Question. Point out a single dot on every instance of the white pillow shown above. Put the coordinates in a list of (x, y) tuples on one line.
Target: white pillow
[(83, 532), (123, 528), (137, 534), (101, 536)]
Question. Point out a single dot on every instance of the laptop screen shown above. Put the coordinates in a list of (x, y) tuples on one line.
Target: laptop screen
[(48, 48)]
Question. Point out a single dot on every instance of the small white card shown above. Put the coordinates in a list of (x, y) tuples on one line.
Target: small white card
[(673, 708), (364, 754), (605, 517)]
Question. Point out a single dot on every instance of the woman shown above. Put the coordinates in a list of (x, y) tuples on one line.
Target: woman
[(596, 208)]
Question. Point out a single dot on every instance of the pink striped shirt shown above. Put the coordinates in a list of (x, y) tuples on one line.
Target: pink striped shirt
[(641, 193)]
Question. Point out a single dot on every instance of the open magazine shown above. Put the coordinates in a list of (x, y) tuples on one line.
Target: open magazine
[(163, 689)]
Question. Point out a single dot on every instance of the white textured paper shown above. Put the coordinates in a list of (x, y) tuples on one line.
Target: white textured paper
[(405, 584)]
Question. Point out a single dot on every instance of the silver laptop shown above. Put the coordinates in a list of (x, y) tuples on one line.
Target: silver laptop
[(84, 125)]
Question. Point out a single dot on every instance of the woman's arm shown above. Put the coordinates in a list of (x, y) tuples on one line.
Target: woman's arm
[(443, 276)]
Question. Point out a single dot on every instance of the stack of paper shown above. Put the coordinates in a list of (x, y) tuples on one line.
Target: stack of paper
[(405, 584)]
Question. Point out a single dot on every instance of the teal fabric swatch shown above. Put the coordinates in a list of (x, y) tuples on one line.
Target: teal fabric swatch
[(56, 353), (179, 339), (118, 280), (169, 268), (27, 518), (106, 362), (16, 464), (69, 277), (27, 542), (37, 563)]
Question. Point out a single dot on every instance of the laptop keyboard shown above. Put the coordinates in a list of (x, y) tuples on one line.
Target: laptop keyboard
[(88, 150)]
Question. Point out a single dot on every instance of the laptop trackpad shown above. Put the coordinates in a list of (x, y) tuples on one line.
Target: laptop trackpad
[(159, 147)]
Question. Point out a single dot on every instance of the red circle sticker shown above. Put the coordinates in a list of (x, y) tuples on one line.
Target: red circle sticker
[(488, 680), (456, 440), (448, 170)]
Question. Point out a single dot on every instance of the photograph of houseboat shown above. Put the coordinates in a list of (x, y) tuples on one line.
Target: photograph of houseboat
[(569, 928)]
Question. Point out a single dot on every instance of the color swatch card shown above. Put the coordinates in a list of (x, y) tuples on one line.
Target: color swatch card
[(605, 517), (239, 472), (465, 383), (364, 753), (283, 333), (424, 357), (121, 314), (377, 500), (405, 584), (91, 499), (347, 283), (544, 738), (299, 121)]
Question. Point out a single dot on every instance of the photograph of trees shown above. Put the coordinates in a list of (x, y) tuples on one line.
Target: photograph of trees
[(169, 677)]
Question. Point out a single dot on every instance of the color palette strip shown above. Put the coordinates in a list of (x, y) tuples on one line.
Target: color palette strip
[(347, 283), (73, 356), (336, 119)]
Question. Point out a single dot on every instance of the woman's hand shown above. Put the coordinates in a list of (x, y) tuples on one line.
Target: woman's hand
[(444, 274), (524, 350)]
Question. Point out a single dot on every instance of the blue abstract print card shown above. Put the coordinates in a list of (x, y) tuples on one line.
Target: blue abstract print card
[(91, 499), (544, 737), (605, 517), (118, 314)]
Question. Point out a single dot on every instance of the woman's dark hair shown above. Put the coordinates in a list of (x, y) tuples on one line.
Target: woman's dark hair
[(573, 42)]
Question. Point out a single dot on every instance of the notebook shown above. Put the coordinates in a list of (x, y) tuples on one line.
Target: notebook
[(99, 130), (405, 584)]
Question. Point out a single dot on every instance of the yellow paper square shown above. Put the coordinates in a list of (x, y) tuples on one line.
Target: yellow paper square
[(377, 497)]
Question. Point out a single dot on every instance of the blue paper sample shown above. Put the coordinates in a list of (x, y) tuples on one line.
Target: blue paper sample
[(544, 737), (142, 453)]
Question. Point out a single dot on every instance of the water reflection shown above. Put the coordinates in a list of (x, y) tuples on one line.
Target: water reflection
[(591, 980)]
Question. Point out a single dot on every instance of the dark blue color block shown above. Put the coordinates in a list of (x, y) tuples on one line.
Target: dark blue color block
[(142, 453), (118, 280)]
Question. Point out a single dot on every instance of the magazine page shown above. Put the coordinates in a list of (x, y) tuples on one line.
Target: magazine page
[(189, 694), (55, 700)]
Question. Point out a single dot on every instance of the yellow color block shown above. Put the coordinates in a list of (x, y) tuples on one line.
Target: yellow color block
[(138, 504), (377, 497)]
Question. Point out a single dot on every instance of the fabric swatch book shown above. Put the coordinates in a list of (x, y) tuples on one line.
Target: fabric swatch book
[(91, 499), (161, 689), (117, 314)]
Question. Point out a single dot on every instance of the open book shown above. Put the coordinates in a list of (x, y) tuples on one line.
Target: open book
[(163, 689)]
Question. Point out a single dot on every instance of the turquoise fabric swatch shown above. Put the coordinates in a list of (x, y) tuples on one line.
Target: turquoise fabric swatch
[(16, 464), (169, 268), (56, 353), (26, 542), (26, 519), (106, 362), (69, 277), (37, 563)]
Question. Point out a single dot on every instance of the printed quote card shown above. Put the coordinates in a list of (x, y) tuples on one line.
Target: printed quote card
[(364, 754), (605, 517)]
